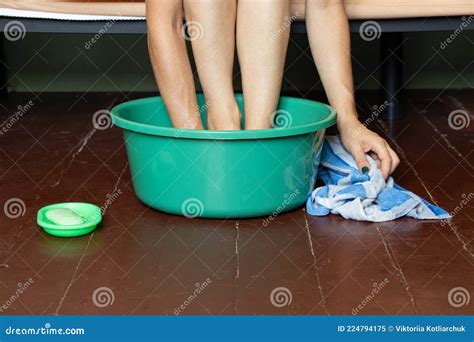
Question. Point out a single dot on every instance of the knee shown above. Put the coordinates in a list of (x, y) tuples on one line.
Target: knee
[(164, 17)]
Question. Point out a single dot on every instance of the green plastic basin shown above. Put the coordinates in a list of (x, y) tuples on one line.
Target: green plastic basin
[(223, 174)]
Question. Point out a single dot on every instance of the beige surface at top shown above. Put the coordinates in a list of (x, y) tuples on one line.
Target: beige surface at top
[(356, 9)]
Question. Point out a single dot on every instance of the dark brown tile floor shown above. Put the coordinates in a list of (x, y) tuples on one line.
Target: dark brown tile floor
[(151, 263)]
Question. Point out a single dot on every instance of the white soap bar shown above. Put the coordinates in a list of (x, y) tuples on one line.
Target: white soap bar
[(63, 217)]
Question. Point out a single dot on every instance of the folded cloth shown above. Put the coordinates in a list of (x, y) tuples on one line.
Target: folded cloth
[(363, 197)]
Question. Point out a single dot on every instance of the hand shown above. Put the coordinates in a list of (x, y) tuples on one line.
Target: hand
[(359, 140)]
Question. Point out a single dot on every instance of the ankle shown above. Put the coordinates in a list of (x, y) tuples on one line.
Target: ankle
[(257, 124), (224, 118)]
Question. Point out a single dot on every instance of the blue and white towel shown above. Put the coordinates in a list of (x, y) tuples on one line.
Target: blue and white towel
[(363, 197)]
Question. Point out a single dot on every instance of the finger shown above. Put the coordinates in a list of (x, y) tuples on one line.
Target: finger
[(375, 158), (395, 159), (373, 155), (385, 159), (361, 160)]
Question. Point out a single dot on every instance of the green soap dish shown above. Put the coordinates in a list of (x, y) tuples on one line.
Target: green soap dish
[(90, 213)]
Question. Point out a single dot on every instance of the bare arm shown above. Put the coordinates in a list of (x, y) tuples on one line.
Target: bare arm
[(171, 66), (329, 37)]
